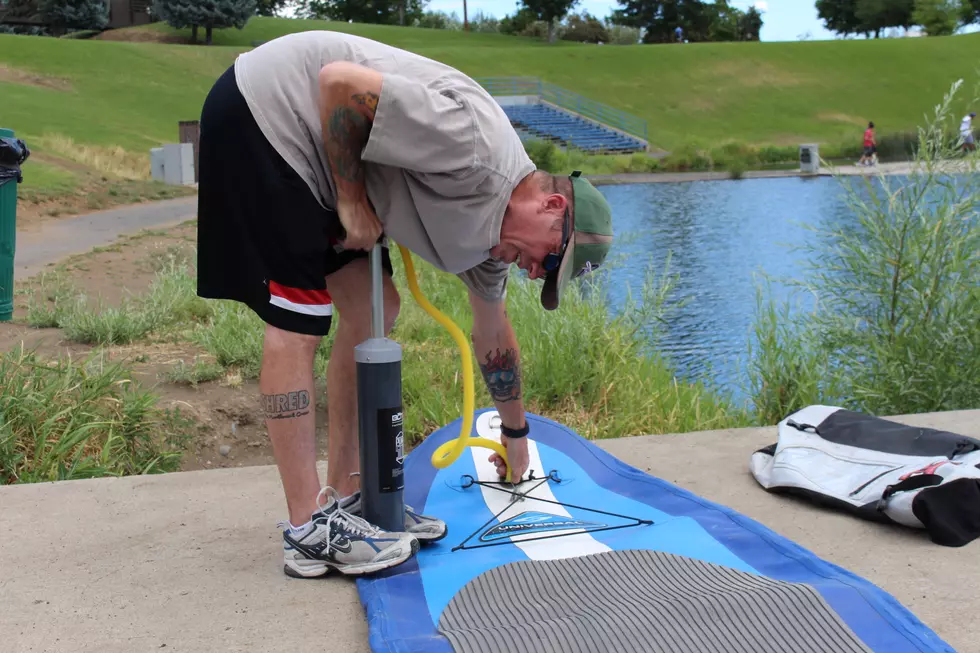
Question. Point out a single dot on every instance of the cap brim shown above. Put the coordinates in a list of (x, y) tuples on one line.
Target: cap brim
[(556, 281)]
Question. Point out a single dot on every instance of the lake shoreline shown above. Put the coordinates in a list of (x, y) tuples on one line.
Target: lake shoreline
[(896, 168)]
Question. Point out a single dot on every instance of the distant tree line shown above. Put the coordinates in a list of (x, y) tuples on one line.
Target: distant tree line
[(873, 17), (655, 20), (59, 15), (42, 17), (699, 20)]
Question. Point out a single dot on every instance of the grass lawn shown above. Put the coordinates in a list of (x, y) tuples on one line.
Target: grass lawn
[(160, 378), (113, 98), (133, 94)]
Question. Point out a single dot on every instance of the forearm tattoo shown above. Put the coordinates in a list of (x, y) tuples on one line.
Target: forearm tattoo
[(502, 373), (287, 405), (348, 130)]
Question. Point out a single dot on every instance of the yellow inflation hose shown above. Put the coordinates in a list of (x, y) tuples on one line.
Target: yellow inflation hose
[(447, 454)]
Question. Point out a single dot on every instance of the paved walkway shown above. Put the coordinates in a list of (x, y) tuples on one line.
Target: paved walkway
[(59, 239), (889, 169), (191, 562)]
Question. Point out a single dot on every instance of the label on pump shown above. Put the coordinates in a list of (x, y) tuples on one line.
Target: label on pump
[(391, 449)]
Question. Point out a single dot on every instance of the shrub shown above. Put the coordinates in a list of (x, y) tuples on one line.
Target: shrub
[(895, 330)]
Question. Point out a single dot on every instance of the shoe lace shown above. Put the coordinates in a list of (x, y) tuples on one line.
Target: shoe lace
[(351, 523)]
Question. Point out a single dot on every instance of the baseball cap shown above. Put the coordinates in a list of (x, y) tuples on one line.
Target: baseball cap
[(588, 243)]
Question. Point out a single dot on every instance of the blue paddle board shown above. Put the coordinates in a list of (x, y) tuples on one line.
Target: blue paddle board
[(582, 503)]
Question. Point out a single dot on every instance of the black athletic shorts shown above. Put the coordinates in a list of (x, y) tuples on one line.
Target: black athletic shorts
[(263, 238)]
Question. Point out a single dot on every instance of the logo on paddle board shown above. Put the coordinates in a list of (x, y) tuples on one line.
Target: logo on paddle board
[(535, 522)]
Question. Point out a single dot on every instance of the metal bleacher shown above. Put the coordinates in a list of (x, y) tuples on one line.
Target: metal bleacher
[(548, 112)]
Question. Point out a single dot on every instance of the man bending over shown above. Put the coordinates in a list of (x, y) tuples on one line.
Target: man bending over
[(312, 147)]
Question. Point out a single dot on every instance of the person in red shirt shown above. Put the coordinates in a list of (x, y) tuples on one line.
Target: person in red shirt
[(870, 147)]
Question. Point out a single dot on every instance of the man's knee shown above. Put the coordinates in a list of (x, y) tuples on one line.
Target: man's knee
[(285, 343)]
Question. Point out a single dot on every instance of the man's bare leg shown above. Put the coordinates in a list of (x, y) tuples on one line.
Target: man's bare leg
[(350, 290), (288, 402)]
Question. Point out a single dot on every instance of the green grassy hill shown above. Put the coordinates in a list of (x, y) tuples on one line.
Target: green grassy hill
[(132, 94)]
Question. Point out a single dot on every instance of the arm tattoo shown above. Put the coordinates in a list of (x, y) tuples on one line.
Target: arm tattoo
[(348, 129), (503, 375), (285, 406), (370, 100)]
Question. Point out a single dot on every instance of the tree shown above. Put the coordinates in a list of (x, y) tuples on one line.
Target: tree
[(19, 9), (750, 25), (24, 18), (585, 29), (877, 15), (839, 16), (938, 17), (700, 21), (971, 12), (378, 12), (209, 14), (269, 7), (517, 23), (549, 11), (74, 14)]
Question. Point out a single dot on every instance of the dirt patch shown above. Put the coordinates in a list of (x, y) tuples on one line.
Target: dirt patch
[(230, 431), (141, 35), (841, 117), (17, 76), (754, 74)]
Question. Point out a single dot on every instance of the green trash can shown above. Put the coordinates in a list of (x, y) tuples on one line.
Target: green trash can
[(12, 154)]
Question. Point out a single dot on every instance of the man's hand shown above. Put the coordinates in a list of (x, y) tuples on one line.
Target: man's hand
[(361, 224), (517, 456)]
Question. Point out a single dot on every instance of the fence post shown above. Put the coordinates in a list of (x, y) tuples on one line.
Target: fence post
[(190, 132)]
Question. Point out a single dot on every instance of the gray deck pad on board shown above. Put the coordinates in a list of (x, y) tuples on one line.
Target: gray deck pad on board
[(639, 600)]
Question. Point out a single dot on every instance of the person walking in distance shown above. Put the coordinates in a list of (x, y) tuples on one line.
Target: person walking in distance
[(966, 132), (869, 155)]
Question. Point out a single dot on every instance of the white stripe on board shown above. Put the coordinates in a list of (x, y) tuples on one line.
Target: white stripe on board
[(550, 548), (308, 309)]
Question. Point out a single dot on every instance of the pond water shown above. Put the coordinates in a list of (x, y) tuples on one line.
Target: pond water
[(720, 236)]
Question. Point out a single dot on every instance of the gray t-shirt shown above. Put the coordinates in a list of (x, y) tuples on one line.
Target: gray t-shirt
[(441, 161)]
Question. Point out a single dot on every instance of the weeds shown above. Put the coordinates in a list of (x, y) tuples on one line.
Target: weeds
[(114, 160), (63, 419), (898, 296), (201, 371)]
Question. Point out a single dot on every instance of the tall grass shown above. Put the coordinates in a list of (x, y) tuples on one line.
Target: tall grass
[(595, 371), (897, 290), (66, 419), (170, 302), (111, 160)]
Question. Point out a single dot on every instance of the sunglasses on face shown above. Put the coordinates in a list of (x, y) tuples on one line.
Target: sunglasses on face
[(551, 261)]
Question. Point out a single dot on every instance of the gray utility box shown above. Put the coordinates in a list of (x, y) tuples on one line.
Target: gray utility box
[(173, 164), (810, 158)]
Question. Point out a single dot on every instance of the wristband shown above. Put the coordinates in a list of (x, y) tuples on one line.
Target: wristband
[(516, 433)]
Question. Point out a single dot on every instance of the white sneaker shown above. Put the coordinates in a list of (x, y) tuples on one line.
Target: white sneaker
[(336, 539), (425, 529)]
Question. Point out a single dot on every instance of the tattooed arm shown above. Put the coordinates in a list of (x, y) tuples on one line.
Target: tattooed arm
[(348, 101), (498, 354)]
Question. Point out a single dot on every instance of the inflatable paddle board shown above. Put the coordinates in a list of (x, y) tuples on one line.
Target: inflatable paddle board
[(592, 555)]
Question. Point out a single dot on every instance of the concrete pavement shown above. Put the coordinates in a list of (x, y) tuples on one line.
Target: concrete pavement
[(79, 234), (192, 561)]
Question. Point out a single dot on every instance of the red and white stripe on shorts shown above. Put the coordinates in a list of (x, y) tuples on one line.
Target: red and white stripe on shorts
[(308, 302)]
